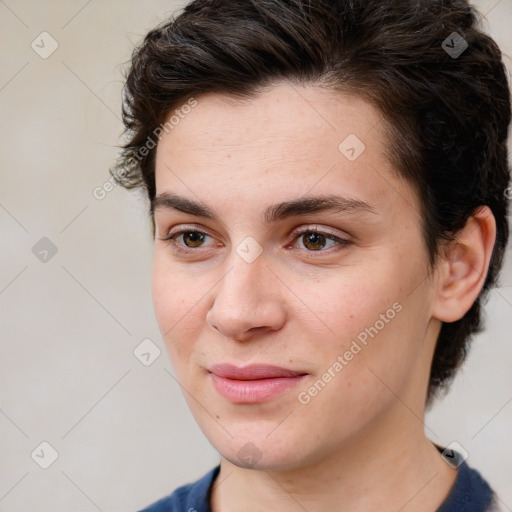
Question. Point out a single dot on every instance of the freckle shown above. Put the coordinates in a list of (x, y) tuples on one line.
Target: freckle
[(217, 416)]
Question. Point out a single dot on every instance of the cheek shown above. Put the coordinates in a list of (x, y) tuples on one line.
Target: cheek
[(177, 305), (351, 304), (372, 320), (380, 349), (175, 293), (166, 297)]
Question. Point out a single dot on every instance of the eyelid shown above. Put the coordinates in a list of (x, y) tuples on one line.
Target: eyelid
[(300, 230), (341, 240), (314, 228), (183, 228)]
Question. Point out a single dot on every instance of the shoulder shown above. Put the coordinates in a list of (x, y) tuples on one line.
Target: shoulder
[(470, 493), (193, 497)]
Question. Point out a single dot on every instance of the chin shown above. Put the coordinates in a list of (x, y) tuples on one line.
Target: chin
[(262, 455), (254, 445)]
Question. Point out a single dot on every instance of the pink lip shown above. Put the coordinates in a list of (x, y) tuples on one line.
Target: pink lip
[(254, 383)]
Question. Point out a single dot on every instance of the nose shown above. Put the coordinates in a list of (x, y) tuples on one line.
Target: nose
[(247, 302)]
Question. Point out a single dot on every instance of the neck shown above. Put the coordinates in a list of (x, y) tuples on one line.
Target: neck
[(394, 467)]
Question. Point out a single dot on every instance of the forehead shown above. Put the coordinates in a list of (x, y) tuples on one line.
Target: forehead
[(288, 140), (285, 113)]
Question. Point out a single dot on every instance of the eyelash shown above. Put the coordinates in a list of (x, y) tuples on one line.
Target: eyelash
[(172, 240)]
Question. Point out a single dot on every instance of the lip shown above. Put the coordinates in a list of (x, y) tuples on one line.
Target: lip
[(253, 384)]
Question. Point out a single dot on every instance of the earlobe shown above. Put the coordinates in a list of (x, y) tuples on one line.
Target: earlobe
[(464, 265)]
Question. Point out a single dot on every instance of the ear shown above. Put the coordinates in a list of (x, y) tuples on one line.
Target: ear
[(462, 268)]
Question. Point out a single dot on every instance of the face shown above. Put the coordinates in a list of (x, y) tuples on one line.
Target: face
[(294, 302)]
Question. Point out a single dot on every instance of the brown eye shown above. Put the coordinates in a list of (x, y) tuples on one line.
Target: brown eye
[(314, 241), (192, 238)]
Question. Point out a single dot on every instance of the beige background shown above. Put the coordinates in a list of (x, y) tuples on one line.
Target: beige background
[(122, 431)]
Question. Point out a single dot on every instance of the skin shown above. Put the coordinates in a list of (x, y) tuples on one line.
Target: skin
[(359, 444)]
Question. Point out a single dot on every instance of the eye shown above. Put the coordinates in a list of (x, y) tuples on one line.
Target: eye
[(191, 239), (314, 240)]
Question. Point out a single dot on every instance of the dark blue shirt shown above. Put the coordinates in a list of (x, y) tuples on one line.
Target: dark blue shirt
[(470, 493)]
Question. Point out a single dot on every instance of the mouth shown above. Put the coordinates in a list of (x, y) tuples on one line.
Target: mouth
[(254, 383)]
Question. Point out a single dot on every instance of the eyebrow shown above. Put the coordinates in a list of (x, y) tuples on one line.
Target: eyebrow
[(274, 213)]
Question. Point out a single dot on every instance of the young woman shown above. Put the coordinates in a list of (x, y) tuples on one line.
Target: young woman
[(327, 182)]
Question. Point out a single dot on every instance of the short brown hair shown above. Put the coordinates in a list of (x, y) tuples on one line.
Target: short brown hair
[(447, 115)]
